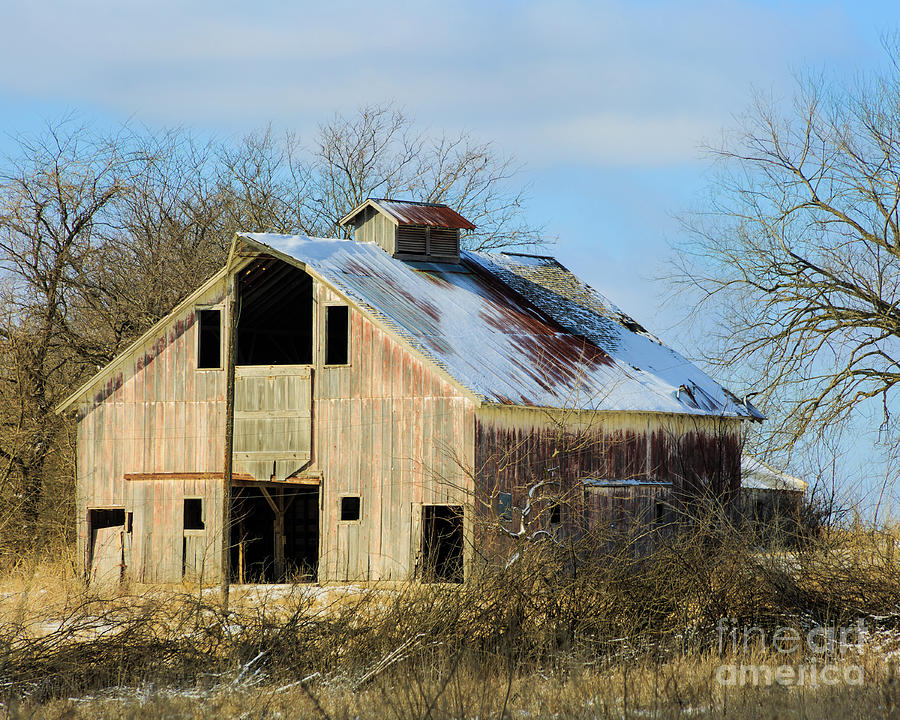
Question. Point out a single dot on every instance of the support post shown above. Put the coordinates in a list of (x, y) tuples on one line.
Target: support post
[(232, 310)]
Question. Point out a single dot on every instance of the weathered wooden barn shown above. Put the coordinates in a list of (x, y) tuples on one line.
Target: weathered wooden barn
[(397, 402)]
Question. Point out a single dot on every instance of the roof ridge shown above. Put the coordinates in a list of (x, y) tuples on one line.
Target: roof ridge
[(409, 202), (533, 255)]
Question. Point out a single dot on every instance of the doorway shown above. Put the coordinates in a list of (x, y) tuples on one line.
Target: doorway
[(274, 534), (442, 543), (106, 559)]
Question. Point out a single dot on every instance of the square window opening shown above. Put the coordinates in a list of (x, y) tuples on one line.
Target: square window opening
[(209, 346), (193, 514), (350, 507), (504, 506), (337, 341)]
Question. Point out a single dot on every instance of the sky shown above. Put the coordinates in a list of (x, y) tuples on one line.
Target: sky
[(607, 105)]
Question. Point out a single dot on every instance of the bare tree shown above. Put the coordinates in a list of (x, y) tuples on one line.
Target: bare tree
[(797, 255), (51, 207), (379, 152)]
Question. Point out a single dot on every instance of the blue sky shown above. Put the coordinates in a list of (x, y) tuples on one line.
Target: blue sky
[(607, 104)]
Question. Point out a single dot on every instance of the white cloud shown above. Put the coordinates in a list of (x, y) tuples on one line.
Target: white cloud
[(616, 82)]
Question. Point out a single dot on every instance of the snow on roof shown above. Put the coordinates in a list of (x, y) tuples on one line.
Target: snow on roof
[(757, 475), (516, 329)]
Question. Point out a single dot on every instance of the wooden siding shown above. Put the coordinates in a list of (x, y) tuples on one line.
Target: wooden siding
[(387, 427), (159, 543), (515, 448), (391, 430), (157, 413), (375, 227)]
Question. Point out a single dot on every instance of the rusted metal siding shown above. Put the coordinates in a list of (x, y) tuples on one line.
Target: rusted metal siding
[(627, 515), (516, 448), (157, 413), (391, 430)]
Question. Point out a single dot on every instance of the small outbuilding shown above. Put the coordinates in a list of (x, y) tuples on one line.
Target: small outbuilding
[(770, 499)]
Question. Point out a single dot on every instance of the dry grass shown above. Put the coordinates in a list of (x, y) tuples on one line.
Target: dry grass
[(618, 636)]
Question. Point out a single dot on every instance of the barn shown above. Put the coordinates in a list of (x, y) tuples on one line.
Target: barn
[(386, 407)]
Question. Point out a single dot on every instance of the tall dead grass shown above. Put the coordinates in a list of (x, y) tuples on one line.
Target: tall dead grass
[(618, 635)]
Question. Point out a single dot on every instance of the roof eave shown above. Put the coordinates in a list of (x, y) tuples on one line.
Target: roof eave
[(154, 329), (359, 208), (595, 411)]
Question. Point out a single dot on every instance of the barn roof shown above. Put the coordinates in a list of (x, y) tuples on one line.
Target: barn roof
[(408, 212), (757, 475), (516, 329)]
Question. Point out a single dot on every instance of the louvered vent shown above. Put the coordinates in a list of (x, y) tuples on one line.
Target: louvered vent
[(444, 242), (411, 239)]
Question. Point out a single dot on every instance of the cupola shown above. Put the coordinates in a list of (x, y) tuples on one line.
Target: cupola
[(409, 230)]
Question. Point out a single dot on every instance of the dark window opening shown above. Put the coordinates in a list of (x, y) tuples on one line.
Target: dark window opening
[(129, 522), (350, 507), (193, 514), (662, 513), (504, 506), (209, 352), (275, 305), (106, 518), (337, 321), (555, 514), (442, 543)]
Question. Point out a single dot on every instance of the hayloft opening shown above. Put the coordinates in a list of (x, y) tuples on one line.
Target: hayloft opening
[(269, 545), (442, 543), (274, 315)]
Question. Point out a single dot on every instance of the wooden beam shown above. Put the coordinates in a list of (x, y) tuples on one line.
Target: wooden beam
[(278, 511), (265, 494), (137, 477)]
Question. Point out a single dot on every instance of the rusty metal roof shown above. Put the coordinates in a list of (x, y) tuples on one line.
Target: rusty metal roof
[(408, 212), (517, 329)]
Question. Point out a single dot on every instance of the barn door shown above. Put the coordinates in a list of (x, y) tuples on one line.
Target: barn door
[(272, 420), (107, 560)]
